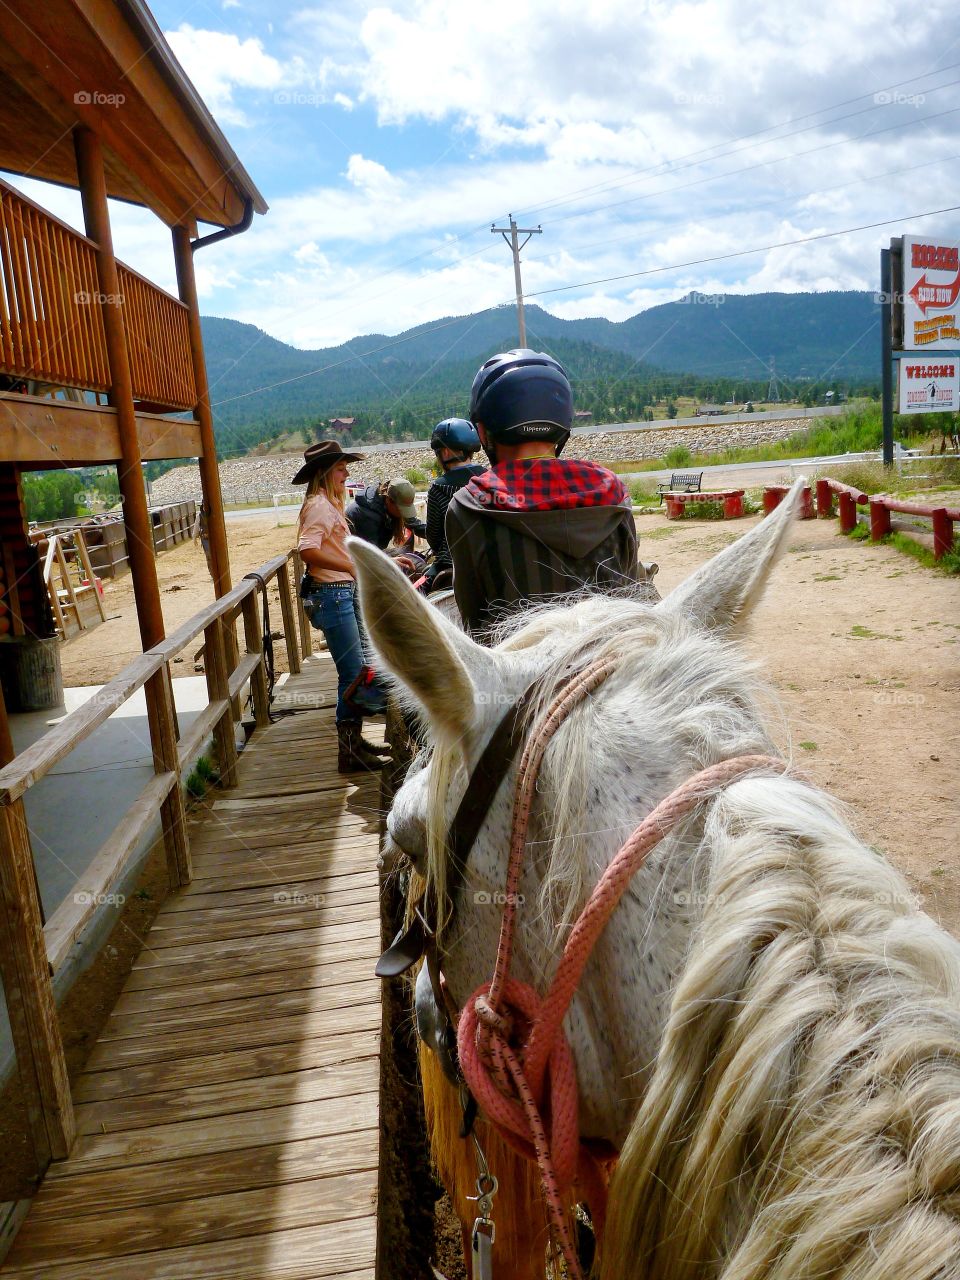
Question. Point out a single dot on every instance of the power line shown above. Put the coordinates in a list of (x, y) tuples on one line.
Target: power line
[(630, 275), (667, 165), (760, 164), (742, 253)]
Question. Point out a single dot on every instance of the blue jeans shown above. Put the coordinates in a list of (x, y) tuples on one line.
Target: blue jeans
[(333, 609)]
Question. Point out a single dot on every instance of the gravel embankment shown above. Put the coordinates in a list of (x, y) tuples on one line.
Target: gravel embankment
[(256, 479)]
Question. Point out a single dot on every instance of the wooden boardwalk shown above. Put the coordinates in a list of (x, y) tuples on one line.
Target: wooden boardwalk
[(228, 1115)]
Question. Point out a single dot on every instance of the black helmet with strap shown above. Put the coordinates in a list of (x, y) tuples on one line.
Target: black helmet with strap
[(457, 434), (523, 395)]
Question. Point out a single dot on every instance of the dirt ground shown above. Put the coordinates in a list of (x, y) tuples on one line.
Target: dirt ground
[(859, 642)]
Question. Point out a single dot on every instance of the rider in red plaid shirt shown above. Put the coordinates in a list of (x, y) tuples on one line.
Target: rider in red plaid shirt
[(534, 525)]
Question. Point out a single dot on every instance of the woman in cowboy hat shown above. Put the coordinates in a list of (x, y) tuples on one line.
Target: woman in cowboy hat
[(329, 593)]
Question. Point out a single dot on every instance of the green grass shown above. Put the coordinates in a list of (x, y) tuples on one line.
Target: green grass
[(858, 430), (204, 768), (808, 746), (196, 786), (416, 476)]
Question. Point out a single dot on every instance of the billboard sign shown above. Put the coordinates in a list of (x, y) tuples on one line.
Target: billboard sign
[(931, 294), (929, 385)]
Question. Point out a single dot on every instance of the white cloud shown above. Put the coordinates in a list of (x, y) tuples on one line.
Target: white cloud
[(218, 63), (371, 177)]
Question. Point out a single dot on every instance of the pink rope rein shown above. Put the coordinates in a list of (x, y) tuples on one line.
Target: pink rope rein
[(513, 1052)]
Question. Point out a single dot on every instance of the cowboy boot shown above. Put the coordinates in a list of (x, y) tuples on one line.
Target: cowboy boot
[(381, 749), (352, 755)]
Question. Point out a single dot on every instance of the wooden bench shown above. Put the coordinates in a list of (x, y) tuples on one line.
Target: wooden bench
[(732, 500), (681, 482)]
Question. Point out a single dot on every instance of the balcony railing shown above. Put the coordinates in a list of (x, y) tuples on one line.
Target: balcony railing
[(51, 313)]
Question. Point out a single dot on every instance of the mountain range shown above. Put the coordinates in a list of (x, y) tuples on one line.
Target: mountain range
[(711, 346)]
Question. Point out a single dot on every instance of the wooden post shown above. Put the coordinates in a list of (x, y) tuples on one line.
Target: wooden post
[(29, 995), (254, 643), (306, 631), (209, 471), (161, 718), (216, 671), (824, 499), (289, 625), (6, 740), (848, 513), (942, 533), (879, 521), (136, 514)]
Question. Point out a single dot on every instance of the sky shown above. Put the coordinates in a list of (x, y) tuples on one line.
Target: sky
[(387, 138)]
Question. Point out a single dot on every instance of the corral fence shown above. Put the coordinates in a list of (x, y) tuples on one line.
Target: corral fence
[(881, 506), (31, 950)]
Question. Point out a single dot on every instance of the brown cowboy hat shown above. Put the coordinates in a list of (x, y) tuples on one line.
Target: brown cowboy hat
[(321, 456)]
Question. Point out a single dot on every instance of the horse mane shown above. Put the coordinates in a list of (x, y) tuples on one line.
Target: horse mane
[(803, 1118)]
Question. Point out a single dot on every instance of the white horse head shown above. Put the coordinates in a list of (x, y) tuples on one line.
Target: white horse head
[(766, 999)]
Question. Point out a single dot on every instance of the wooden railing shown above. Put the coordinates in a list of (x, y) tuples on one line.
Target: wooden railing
[(52, 327), (51, 313), (158, 343), (31, 951)]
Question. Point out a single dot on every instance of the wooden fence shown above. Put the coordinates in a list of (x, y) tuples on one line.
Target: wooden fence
[(881, 505), (51, 313), (31, 952)]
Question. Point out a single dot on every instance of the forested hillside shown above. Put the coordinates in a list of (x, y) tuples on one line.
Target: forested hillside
[(712, 347)]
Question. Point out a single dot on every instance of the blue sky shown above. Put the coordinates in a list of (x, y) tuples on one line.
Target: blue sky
[(386, 137)]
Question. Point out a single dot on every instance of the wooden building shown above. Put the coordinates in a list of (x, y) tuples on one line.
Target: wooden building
[(91, 97)]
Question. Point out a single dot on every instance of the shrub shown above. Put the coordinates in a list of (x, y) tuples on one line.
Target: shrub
[(416, 476), (204, 768), (643, 492), (196, 785), (678, 456)]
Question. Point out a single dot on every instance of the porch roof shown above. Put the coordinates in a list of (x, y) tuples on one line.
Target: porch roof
[(105, 64)]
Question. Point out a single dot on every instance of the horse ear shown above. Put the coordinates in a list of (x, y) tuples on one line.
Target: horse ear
[(439, 664), (725, 589)]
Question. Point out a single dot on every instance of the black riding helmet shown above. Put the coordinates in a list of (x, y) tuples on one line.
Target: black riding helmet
[(523, 395), (457, 434)]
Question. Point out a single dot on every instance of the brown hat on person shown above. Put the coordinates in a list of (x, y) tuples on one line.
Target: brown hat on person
[(321, 456)]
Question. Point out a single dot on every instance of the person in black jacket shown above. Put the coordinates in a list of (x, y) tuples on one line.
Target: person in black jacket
[(535, 525), (385, 513), (455, 442)]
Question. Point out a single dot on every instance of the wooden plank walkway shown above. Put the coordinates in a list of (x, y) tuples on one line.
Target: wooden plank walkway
[(228, 1115)]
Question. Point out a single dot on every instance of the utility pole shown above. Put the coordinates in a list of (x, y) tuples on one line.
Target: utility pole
[(773, 390), (513, 231)]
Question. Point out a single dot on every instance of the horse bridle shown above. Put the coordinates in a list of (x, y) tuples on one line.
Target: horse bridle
[(420, 940)]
